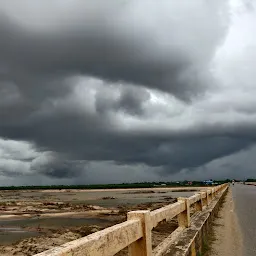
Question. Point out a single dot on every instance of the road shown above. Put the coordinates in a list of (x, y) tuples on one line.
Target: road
[(244, 197)]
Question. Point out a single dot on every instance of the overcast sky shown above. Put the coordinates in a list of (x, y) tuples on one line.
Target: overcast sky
[(126, 90)]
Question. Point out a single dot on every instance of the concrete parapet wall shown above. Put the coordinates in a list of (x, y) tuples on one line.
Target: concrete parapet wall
[(190, 241), (135, 233)]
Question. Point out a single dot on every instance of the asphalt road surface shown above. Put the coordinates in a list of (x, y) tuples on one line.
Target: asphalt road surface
[(244, 197)]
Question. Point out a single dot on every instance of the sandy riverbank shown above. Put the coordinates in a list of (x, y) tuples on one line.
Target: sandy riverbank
[(227, 236)]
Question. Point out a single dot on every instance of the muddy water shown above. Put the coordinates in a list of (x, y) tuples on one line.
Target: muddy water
[(12, 235), (54, 222), (12, 231), (127, 198), (95, 197), (16, 229)]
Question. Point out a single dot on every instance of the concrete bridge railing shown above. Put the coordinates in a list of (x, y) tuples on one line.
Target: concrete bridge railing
[(135, 233)]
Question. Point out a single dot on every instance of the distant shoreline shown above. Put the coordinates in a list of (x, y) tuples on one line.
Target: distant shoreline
[(146, 185), (175, 189)]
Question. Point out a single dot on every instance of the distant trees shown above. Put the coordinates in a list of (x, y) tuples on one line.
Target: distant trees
[(251, 180), (113, 186)]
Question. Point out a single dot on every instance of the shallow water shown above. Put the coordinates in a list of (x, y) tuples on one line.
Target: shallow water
[(127, 198), (95, 197), (12, 235), (54, 222), (12, 231)]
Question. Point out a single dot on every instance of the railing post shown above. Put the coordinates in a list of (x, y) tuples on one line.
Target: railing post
[(193, 249), (143, 246), (209, 196), (204, 199), (199, 204), (213, 193), (184, 217)]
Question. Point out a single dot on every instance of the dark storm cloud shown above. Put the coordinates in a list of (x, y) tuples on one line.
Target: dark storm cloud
[(102, 83), (57, 167), (98, 138), (98, 41), (129, 99)]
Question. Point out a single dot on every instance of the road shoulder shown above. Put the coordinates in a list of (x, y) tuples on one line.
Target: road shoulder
[(227, 236)]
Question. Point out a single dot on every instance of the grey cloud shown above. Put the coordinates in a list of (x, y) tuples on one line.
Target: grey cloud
[(10, 149), (98, 138), (129, 99), (239, 165), (99, 86), (19, 158), (57, 167), (108, 41), (92, 137)]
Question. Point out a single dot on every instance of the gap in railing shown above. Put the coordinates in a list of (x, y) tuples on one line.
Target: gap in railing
[(159, 233), (123, 252), (163, 230)]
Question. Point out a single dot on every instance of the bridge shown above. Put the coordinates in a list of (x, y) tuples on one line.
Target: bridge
[(193, 213)]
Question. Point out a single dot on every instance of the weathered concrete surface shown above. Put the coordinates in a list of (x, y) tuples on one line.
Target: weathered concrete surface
[(227, 237), (244, 197), (163, 247), (106, 242), (142, 246), (191, 239)]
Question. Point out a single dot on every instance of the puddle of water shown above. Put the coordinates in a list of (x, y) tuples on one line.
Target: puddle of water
[(6, 229), (122, 198), (55, 222), (12, 235), (12, 231)]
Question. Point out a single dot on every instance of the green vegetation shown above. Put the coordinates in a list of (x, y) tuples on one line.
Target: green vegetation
[(114, 186), (205, 246), (251, 180)]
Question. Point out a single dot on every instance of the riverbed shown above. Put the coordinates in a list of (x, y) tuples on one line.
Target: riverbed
[(26, 215)]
